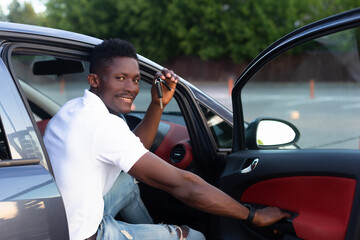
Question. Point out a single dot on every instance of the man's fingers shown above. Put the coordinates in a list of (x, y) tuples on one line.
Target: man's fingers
[(286, 214), (167, 75), (269, 215), (282, 214)]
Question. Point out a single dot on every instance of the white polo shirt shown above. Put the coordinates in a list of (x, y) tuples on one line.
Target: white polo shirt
[(88, 147)]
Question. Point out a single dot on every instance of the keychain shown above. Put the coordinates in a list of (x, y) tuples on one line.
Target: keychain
[(159, 91)]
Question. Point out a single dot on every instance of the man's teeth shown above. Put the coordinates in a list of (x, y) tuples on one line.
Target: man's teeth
[(126, 99)]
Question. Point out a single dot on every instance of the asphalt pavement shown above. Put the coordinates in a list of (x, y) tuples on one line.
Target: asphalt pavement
[(220, 91), (326, 114)]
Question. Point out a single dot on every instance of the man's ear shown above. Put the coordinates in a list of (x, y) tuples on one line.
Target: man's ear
[(93, 80)]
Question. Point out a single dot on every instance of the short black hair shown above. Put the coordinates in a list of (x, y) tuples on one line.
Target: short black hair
[(103, 53)]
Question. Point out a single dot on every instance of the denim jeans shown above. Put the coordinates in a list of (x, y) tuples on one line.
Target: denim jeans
[(124, 199)]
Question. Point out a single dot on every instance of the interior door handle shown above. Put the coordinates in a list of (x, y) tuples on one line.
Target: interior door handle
[(282, 229), (250, 167)]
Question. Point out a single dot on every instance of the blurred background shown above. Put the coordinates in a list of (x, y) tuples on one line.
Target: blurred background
[(316, 85), (202, 40)]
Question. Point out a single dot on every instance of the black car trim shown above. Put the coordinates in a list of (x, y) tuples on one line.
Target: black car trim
[(200, 136)]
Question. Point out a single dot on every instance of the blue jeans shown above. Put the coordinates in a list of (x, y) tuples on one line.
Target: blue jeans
[(124, 199)]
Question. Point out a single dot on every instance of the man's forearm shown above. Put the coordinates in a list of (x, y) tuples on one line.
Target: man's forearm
[(194, 191), (205, 197), (147, 128)]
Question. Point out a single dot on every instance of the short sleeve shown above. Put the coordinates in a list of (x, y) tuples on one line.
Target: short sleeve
[(116, 144)]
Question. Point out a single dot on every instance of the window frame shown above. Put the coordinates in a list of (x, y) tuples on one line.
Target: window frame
[(7, 50)]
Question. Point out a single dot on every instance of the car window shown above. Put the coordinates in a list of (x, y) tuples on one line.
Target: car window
[(53, 77), (172, 112), (22, 140), (50, 81), (316, 87), (220, 129), (59, 79)]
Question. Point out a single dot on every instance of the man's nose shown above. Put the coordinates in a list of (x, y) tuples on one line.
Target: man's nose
[(130, 86)]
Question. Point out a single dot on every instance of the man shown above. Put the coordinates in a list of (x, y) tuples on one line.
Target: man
[(90, 148)]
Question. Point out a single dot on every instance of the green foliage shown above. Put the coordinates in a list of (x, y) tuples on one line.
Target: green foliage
[(23, 13), (209, 29), (2, 15)]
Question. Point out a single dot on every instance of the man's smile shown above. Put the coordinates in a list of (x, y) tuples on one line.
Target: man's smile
[(128, 99)]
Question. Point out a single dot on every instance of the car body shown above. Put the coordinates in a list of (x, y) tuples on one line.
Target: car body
[(249, 153)]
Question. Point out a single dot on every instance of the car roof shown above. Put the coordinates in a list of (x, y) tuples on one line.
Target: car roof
[(31, 33)]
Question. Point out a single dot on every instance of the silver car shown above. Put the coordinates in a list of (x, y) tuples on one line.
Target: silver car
[(305, 83)]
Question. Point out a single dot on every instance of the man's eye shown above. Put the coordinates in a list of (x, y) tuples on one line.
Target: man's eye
[(120, 78), (137, 80)]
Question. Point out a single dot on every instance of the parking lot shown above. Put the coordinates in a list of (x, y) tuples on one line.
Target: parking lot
[(333, 106)]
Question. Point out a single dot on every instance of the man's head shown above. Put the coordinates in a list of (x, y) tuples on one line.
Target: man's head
[(114, 74), (104, 53)]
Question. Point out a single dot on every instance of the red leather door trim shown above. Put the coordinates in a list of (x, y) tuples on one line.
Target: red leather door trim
[(42, 125), (177, 134), (323, 203)]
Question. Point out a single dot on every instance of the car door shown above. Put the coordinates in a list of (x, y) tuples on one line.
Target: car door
[(30, 204), (310, 79)]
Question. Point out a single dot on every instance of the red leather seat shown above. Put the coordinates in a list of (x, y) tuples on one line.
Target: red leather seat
[(42, 125)]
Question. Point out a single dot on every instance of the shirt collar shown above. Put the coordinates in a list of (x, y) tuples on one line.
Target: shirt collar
[(94, 100)]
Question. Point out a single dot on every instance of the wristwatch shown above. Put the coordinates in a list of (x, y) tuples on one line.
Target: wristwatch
[(251, 215)]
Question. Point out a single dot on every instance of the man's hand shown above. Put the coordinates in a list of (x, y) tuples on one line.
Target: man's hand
[(269, 215), (171, 79), (147, 129)]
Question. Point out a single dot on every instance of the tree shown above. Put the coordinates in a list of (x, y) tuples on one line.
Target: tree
[(209, 29), (139, 21), (23, 13), (2, 15)]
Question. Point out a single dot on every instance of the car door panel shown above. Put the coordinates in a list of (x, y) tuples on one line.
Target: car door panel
[(30, 204), (308, 196), (318, 181), (319, 186)]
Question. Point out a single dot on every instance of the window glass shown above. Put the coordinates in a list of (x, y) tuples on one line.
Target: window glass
[(143, 99), (315, 86), (172, 112), (22, 139), (220, 129), (49, 76), (58, 79), (50, 81)]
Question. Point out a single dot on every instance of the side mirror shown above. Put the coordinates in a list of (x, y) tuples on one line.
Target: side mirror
[(265, 133)]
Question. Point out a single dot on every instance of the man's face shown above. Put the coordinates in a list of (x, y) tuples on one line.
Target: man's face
[(119, 84)]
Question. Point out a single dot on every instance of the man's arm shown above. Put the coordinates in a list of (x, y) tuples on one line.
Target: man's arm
[(194, 191), (147, 128)]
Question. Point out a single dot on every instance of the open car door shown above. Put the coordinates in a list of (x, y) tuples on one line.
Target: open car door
[(300, 151), (31, 206)]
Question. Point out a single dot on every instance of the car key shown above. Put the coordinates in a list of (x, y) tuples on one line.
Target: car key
[(159, 91), (166, 85)]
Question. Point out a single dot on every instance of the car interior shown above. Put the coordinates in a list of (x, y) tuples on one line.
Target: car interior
[(4, 154), (48, 82)]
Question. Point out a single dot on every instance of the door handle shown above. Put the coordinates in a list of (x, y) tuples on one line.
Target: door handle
[(283, 229), (251, 167)]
